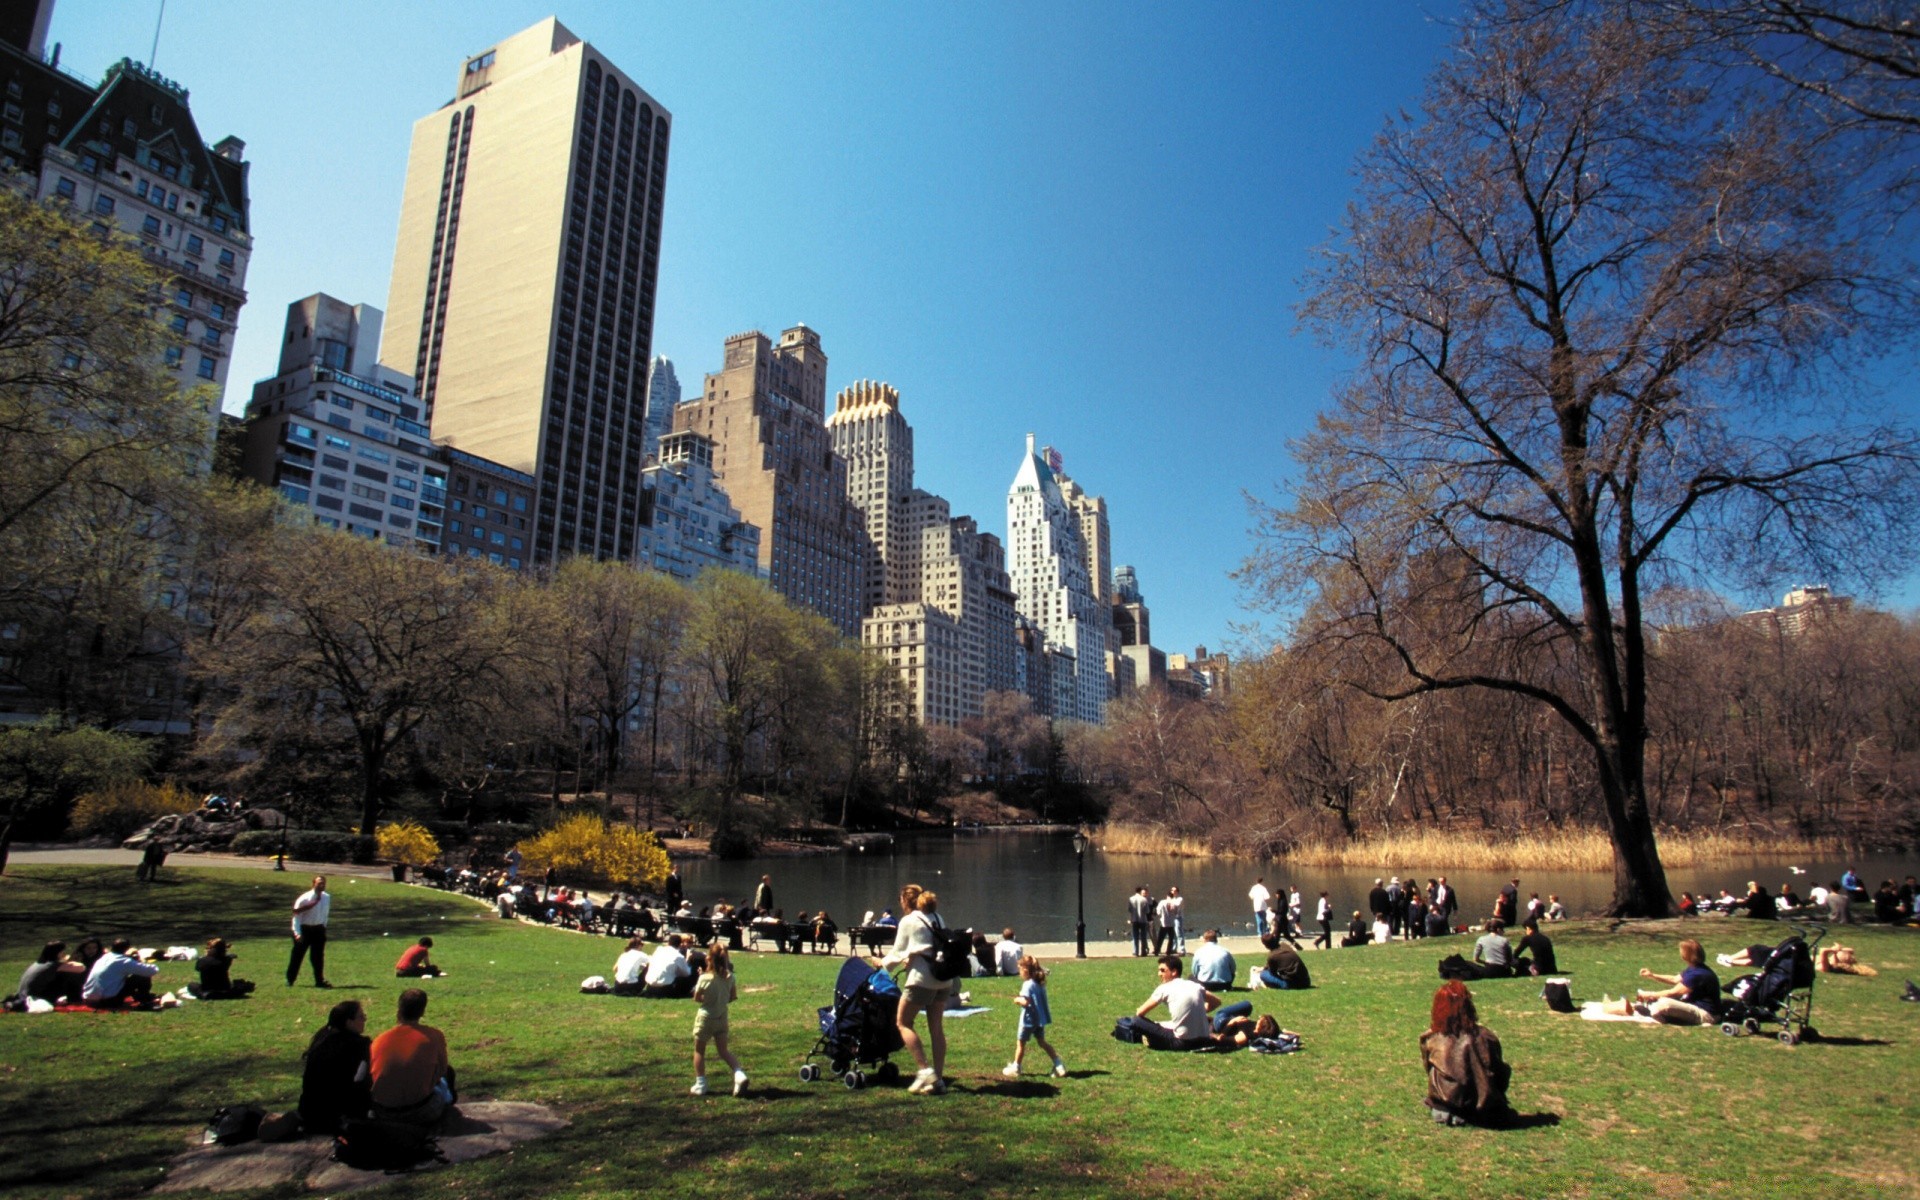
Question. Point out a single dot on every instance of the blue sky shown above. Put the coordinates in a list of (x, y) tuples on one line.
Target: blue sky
[(1084, 221)]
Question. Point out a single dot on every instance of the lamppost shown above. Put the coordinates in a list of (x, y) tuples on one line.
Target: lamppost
[(1080, 864)]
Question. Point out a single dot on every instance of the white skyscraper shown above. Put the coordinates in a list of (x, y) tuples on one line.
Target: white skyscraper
[(663, 394), (1047, 562)]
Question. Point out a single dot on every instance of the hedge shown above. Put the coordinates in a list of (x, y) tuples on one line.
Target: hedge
[(308, 845)]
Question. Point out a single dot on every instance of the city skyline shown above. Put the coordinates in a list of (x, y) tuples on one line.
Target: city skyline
[(1058, 221)]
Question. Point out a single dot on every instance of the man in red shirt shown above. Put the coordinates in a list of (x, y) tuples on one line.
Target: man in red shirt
[(417, 961), (412, 1081)]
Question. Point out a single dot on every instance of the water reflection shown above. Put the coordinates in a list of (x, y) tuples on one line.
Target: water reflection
[(1027, 881)]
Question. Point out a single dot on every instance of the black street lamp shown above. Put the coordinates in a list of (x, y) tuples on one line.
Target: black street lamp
[(1080, 863)]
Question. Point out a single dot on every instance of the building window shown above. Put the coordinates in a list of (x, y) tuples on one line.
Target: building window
[(103, 205), (151, 226), (219, 311), (173, 356), (64, 189), (183, 298), (220, 226), (212, 337), (53, 108), (226, 257), (206, 367), (179, 322), (480, 64)]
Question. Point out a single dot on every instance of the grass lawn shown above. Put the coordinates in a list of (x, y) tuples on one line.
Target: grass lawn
[(95, 1105)]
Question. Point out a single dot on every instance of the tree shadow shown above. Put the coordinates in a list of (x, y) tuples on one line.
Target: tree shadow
[(1020, 1089)]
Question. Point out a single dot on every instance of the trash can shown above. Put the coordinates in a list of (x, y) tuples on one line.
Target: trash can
[(399, 872)]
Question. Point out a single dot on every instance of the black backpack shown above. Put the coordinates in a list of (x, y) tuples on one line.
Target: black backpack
[(234, 1124), (368, 1145), (952, 953)]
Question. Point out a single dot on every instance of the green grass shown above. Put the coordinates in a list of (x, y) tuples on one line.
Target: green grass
[(95, 1105)]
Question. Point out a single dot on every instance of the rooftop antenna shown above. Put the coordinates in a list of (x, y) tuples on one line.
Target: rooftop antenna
[(153, 55)]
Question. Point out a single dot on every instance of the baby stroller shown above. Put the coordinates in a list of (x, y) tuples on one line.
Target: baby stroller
[(859, 1029), (1780, 993)]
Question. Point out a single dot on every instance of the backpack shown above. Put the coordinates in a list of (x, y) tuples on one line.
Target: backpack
[(1559, 996), (952, 953), (234, 1124), (1124, 1031), (368, 1145)]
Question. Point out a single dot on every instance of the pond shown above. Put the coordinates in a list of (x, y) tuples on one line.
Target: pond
[(993, 879)]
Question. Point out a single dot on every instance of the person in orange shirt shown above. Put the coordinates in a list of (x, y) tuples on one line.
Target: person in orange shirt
[(417, 961), (412, 1080)]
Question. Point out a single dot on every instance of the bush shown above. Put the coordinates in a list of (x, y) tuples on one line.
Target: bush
[(406, 842), (733, 843), (308, 845), (587, 850), (118, 809)]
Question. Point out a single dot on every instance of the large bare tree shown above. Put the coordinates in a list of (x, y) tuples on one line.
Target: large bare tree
[(1593, 304)]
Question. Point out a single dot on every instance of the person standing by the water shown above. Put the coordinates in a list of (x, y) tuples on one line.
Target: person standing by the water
[(1260, 897), (1139, 915), (1325, 916), (763, 895)]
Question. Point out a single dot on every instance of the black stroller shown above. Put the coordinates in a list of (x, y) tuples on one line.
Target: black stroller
[(858, 1030), (1779, 993)]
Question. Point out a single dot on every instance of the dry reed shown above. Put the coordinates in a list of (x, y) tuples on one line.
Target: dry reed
[(1565, 850)]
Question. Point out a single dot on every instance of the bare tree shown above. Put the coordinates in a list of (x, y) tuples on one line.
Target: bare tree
[(1591, 307)]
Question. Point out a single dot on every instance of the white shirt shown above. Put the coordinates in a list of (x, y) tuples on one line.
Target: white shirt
[(666, 966), (626, 969), (1006, 956), (1170, 909), (321, 902), (1186, 1006), (1259, 894), (1817, 894), (1293, 902), (1326, 909)]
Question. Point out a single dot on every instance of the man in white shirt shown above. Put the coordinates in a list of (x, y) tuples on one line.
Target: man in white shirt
[(1324, 914), (668, 974), (1006, 955), (1168, 936), (1293, 911), (1213, 965), (1260, 897), (628, 969), (117, 977), (310, 913), (1187, 1007)]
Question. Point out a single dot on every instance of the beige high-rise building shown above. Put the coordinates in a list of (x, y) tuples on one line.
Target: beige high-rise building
[(523, 278), (873, 437), (765, 413)]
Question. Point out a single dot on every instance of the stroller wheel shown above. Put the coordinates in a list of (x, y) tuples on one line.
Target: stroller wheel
[(1789, 1038), (809, 1073), (854, 1080), (1730, 1029), (1752, 1025)]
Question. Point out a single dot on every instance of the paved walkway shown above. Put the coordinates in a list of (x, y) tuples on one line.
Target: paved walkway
[(1246, 948)]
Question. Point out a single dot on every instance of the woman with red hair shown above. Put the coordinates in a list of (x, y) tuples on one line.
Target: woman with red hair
[(1466, 1078)]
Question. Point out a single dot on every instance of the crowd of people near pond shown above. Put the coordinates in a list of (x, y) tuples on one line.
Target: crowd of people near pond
[(677, 952)]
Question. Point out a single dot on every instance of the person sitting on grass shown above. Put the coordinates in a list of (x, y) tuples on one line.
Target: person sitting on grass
[(215, 968), (629, 969), (52, 978), (1188, 1004), (335, 1081), (1556, 911), (416, 962), (1213, 965), (1234, 1026), (1284, 970), (1466, 1077), (412, 1080), (117, 978), (669, 976), (1493, 952), (1357, 934), (1693, 998), (1540, 946)]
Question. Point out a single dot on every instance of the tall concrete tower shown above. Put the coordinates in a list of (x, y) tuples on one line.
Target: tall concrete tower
[(523, 278), (764, 412), (1047, 564), (663, 396), (873, 437)]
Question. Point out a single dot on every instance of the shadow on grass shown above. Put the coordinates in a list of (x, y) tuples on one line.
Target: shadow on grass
[(1826, 1040)]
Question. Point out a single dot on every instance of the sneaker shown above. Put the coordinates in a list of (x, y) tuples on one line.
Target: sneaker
[(321, 983), (1725, 960), (923, 1082), (1011, 1070), (739, 1083), (939, 1088), (699, 1087), (1059, 1069)]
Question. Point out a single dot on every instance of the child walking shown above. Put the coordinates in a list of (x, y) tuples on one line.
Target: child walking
[(713, 993), (1035, 1016)]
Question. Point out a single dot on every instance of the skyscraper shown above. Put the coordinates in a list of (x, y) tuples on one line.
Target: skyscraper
[(523, 278), (764, 412), (872, 435), (663, 395), (1047, 562)]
